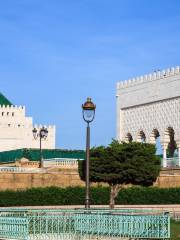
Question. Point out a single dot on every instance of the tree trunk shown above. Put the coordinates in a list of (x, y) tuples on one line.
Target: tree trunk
[(115, 188), (112, 196)]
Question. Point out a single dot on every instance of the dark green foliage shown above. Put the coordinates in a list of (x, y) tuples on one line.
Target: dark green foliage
[(52, 196), (99, 195), (41, 196), (150, 195), (34, 154), (126, 163)]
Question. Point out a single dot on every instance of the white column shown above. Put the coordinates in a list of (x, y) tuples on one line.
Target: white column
[(178, 156), (164, 163), (178, 146), (139, 139), (152, 139)]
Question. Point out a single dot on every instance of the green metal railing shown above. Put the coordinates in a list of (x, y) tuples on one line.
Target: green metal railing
[(83, 224)]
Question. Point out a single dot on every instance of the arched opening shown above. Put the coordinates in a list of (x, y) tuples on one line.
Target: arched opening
[(157, 141), (129, 137), (172, 146), (142, 136), (155, 133)]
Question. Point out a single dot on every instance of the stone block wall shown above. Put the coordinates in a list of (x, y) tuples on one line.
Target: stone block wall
[(17, 181), (169, 178), (69, 177)]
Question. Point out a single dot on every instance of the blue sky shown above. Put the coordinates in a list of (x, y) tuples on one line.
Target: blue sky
[(55, 53)]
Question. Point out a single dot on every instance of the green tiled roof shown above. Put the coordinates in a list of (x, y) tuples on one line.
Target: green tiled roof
[(4, 100), (34, 154)]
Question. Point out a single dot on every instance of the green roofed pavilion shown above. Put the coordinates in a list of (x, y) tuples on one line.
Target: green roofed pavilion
[(4, 100)]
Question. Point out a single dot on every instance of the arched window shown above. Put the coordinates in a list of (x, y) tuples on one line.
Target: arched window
[(172, 143), (129, 137), (155, 138), (142, 136)]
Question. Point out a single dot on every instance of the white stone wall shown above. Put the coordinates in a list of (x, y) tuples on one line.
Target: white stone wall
[(146, 118), (149, 102), (16, 130)]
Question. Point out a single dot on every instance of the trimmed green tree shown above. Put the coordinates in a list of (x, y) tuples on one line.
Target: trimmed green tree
[(121, 164)]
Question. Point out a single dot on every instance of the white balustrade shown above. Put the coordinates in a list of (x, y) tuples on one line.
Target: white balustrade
[(53, 162), (172, 162), (61, 162), (21, 170)]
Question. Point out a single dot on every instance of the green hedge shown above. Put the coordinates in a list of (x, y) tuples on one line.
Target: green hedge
[(99, 195), (150, 195), (52, 196)]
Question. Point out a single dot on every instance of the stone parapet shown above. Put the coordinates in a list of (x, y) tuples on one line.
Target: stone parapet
[(149, 88), (148, 77)]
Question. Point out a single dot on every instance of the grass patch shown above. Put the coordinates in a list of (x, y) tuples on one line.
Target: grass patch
[(175, 230)]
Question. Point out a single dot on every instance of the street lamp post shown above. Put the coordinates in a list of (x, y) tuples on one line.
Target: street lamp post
[(41, 134), (88, 109)]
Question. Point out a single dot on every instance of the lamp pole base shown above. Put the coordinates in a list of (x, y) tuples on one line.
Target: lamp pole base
[(87, 203)]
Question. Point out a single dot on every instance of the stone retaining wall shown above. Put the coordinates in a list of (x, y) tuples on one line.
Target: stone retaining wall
[(68, 177), (17, 181)]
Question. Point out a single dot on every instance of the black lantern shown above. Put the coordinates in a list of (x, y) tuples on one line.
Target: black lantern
[(41, 134), (35, 135), (44, 132), (88, 110)]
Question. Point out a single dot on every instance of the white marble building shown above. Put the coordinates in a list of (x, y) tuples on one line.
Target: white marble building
[(16, 128), (148, 107)]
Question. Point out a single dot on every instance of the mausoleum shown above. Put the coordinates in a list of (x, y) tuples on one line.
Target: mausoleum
[(148, 109)]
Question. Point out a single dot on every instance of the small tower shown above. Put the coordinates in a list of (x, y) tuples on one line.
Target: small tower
[(16, 128)]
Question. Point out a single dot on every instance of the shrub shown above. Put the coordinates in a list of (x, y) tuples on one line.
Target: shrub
[(99, 195)]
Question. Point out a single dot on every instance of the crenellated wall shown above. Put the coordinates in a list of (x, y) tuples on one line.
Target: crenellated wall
[(16, 130), (149, 88), (148, 77)]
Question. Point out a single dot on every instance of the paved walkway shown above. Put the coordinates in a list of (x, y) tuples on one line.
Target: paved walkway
[(169, 207)]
